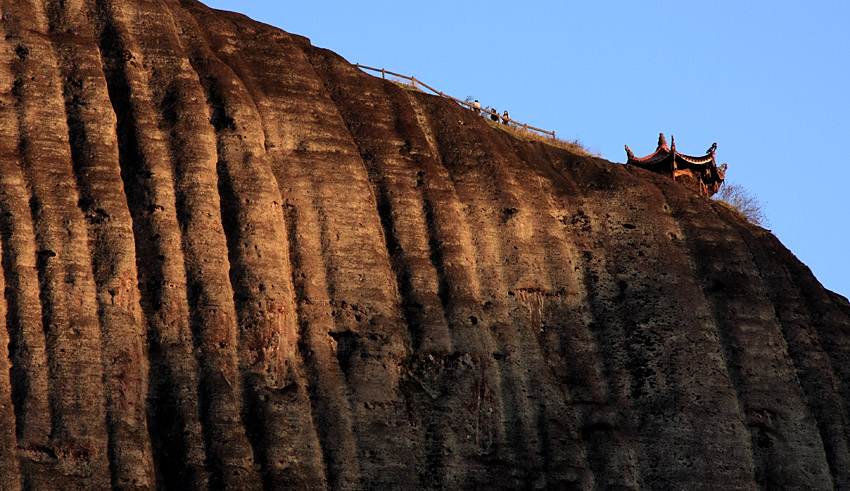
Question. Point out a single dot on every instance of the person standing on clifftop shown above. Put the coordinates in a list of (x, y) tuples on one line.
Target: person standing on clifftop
[(494, 116), (476, 106), (505, 117)]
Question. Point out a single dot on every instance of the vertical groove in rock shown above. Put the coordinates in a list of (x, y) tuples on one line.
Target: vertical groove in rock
[(829, 329), (670, 332), (306, 234), (829, 314), (10, 472), (394, 168), (758, 360), (550, 301), (369, 334), (22, 316), (450, 240), (487, 203), (318, 253), (404, 218), (322, 353), (190, 148), (27, 347), (94, 152), (278, 409), (371, 340), (630, 266), (78, 438), (588, 348), (814, 368), (569, 349), (504, 200), (331, 413), (231, 260), (173, 419), (452, 254)]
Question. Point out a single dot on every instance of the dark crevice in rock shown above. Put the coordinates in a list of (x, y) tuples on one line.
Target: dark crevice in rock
[(344, 284), (166, 421), (436, 257), (82, 164), (410, 308), (816, 374), (324, 378)]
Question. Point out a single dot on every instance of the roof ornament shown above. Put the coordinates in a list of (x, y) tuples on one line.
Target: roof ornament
[(700, 174)]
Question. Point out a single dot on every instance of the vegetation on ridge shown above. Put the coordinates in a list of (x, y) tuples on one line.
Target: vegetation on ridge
[(575, 146), (744, 202)]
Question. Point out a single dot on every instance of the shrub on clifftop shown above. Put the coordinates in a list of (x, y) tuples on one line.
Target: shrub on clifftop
[(744, 202)]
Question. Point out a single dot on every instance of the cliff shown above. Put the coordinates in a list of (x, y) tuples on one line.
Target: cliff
[(231, 260)]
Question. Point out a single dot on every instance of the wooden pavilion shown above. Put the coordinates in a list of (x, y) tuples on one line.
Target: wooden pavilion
[(700, 174)]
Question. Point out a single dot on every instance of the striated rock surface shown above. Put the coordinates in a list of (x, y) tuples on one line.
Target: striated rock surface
[(231, 260)]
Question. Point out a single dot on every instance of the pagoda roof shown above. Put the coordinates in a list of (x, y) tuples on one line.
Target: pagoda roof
[(663, 152), (667, 160)]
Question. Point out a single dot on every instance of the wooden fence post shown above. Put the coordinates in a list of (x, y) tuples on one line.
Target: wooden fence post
[(384, 72)]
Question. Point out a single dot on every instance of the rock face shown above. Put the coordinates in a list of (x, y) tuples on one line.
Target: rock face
[(231, 260)]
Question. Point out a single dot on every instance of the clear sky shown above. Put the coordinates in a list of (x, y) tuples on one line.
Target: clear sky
[(768, 81)]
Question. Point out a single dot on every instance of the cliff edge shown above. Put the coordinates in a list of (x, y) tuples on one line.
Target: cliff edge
[(232, 260)]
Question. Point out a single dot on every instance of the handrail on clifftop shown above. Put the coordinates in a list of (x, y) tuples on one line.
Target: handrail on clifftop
[(413, 83)]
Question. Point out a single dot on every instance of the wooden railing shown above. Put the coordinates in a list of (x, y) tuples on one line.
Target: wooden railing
[(414, 81)]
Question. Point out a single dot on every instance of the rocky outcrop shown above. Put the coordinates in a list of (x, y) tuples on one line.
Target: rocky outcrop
[(231, 260)]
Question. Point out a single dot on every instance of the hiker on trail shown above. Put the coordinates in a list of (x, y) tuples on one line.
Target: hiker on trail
[(476, 106), (494, 116), (505, 117)]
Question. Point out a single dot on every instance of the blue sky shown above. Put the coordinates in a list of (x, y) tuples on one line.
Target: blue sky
[(768, 81)]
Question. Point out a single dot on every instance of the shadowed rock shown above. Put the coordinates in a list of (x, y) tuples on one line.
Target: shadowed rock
[(232, 260)]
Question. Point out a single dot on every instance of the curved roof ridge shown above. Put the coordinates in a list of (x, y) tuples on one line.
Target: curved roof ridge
[(668, 161)]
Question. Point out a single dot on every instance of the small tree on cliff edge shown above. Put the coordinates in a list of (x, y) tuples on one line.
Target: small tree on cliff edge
[(744, 202)]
